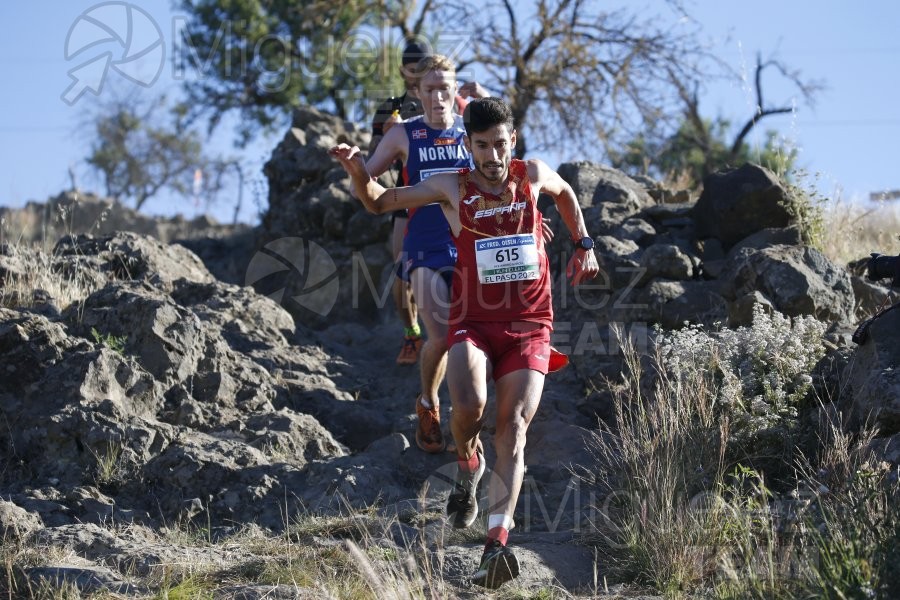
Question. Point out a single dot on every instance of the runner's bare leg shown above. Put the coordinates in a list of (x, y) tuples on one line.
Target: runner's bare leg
[(433, 299)]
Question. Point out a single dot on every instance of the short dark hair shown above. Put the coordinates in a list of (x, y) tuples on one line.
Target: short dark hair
[(413, 53), (483, 113)]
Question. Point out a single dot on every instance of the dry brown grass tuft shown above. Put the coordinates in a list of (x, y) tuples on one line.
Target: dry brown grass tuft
[(853, 231)]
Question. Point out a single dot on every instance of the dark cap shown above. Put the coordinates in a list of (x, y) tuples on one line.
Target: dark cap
[(413, 53)]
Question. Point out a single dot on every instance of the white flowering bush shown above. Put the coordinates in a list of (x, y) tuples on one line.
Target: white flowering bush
[(759, 374), (707, 493)]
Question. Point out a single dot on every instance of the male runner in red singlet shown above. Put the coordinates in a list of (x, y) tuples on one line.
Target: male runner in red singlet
[(501, 310)]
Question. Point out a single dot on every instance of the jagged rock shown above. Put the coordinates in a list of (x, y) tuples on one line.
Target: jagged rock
[(665, 214), (636, 229), (129, 256), (229, 478), (740, 312), (247, 320), (16, 523), (167, 339), (771, 236), (619, 260), (133, 550), (303, 180), (667, 261), (674, 303), (92, 399), (873, 375), (137, 371), (358, 480), (178, 348), (739, 202), (607, 196), (30, 344), (596, 184), (301, 438), (869, 296), (798, 280)]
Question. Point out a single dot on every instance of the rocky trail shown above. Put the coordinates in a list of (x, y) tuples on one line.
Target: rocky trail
[(547, 524), (170, 417), (166, 400)]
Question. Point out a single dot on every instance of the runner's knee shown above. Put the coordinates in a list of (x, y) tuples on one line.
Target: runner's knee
[(467, 403), (510, 435)]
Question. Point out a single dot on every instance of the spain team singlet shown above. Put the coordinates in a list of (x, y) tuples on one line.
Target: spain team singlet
[(502, 270), (431, 151)]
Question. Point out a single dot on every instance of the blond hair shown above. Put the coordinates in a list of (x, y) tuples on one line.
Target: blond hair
[(435, 62)]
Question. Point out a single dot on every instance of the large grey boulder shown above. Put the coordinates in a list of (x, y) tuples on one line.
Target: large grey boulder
[(595, 184), (771, 236), (206, 381), (219, 476), (319, 255), (798, 280), (304, 182), (674, 303), (607, 196), (297, 438), (619, 260), (92, 400), (165, 377), (739, 202), (129, 256), (378, 474), (873, 375), (666, 261), (247, 319)]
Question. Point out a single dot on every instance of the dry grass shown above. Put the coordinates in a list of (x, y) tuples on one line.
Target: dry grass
[(40, 274), (44, 278), (665, 449), (853, 231), (337, 557), (685, 516)]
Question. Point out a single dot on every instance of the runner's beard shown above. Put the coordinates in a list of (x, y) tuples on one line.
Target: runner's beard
[(494, 175)]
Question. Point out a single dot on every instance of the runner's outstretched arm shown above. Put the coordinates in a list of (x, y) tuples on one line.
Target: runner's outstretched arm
[(376, 198)]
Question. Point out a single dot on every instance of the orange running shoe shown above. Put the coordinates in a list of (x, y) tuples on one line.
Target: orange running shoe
[(409, 353), (428, 433)]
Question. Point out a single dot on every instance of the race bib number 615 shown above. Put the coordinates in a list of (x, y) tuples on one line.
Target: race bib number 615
[(507, 258)]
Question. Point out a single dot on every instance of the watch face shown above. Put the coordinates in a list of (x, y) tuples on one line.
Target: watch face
[(585, 243)]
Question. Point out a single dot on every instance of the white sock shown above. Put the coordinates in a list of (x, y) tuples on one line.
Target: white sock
[(500, 520)]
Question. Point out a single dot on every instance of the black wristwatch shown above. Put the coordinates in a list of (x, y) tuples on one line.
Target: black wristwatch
[(584, 243)]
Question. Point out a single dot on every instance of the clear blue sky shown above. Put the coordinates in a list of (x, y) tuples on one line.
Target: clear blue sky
[(849, 139)]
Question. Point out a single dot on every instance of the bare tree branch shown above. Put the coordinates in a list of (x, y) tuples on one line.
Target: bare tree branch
[(808, 90)]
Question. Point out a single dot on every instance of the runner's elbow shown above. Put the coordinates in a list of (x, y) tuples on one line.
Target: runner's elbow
[(376, 207)]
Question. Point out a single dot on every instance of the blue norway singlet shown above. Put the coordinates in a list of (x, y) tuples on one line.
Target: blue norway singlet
[(431, 151)]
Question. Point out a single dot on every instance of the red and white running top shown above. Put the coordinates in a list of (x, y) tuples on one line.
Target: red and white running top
[(502, 271)]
